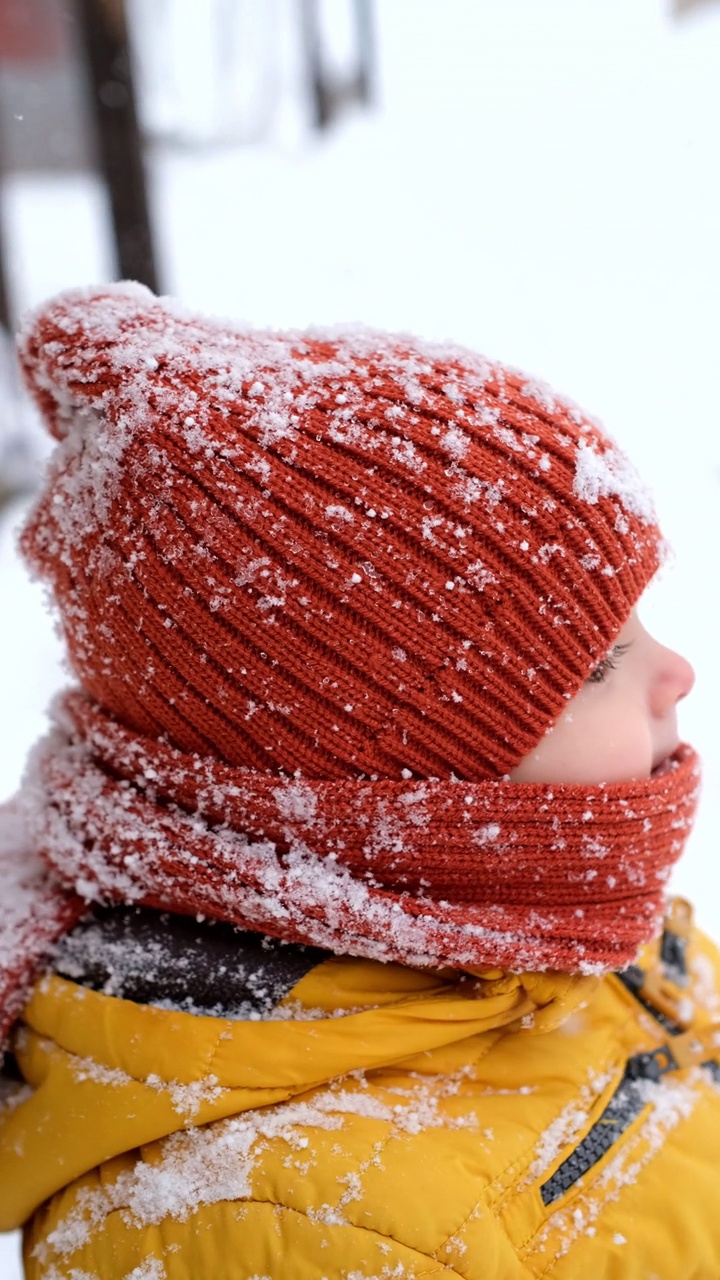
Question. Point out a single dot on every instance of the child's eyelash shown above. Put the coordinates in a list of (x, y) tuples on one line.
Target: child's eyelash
[(607, 664)]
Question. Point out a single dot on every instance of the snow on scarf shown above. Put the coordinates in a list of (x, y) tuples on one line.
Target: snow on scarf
[(522, 876)]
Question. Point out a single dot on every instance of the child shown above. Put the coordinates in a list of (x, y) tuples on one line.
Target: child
[(333, 873)]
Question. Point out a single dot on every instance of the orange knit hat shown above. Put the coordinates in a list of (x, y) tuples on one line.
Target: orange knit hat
[(341, 553)]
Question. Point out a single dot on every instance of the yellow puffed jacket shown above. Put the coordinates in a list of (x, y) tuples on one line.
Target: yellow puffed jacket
[(385, 1123)]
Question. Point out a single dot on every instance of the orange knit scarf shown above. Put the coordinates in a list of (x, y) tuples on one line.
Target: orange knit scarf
[(519, 876)]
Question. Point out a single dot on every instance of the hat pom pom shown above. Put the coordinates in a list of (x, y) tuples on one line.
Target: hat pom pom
[(76, 351)]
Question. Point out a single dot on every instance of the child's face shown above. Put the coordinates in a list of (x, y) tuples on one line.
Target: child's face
[(623, 722)]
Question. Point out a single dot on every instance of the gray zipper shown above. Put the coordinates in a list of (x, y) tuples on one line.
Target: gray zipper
[(630, 1097)]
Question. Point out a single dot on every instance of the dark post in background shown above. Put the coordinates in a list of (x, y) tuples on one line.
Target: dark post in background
[(103, 33)]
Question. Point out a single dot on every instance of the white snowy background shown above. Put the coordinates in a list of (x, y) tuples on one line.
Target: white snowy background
[(539, 179)]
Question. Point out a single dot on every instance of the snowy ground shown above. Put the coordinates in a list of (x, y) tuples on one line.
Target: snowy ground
[(540, 181)]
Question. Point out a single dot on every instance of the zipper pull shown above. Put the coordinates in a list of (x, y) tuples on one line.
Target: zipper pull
[(651, 1065), (660, 988), (692, 1048), (660, 995), (676, 935)]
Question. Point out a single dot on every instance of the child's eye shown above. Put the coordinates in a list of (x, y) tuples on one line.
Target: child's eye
[(607, 664), (601, 671)]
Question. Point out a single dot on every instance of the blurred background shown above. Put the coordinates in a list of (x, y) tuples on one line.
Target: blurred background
[(538, 179)]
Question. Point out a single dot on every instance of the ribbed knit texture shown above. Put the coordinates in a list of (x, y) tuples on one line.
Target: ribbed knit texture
[(495, 873), (35, 910), (344, 553), (322, 591)]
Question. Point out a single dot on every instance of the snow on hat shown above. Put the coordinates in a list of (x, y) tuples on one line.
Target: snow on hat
[(340, 552)]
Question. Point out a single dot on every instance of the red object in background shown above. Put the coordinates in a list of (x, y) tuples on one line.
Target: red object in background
[(31, 31)]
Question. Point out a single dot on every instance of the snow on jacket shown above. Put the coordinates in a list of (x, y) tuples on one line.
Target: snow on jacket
[(378, 1122)]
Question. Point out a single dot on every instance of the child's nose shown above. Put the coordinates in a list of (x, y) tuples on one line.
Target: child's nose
[(676, 678)]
